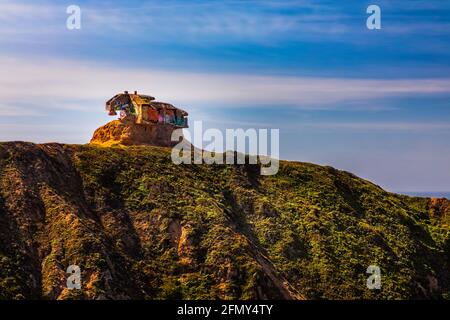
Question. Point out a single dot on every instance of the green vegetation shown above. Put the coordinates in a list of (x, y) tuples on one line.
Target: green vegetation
[(141, 227)]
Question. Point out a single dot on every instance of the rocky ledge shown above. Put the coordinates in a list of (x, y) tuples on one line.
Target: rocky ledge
[(126, 132)]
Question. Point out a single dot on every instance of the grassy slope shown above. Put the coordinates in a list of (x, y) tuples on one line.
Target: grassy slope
[(141, 227)]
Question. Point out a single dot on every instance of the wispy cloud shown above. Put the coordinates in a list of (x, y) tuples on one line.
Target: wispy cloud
[(11, 111), (197, 21), (266, 22), (75, 84), (380, 126)]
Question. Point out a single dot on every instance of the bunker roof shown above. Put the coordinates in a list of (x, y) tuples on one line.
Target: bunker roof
[(139, 100)]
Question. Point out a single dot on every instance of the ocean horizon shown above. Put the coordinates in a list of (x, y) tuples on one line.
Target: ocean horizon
[(427, 194)]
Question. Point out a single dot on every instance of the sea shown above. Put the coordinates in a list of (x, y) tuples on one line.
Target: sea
[(443, 194)]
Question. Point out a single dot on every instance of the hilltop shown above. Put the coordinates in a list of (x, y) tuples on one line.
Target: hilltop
[(141, 227)]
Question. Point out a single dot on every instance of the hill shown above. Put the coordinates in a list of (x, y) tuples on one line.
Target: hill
[(141, 227)]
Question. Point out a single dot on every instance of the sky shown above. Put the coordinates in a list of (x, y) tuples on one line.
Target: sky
[(372, 102)]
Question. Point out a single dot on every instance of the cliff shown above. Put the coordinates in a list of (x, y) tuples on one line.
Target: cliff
[(141, 227)]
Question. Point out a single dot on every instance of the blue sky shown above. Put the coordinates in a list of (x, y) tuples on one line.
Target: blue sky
[(373, 102)]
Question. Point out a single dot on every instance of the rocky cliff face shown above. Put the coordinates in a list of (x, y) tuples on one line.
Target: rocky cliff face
[(126, 132), (140, 227)]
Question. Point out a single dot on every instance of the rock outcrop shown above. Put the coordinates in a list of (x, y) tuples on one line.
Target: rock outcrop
[(440, 209), (127, 132)]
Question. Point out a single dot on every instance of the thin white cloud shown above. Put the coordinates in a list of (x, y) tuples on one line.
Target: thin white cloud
[(26, 21), (194, 20), (380, 126), (15, 11), (11, 111), (150, 22), (75, 85)]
